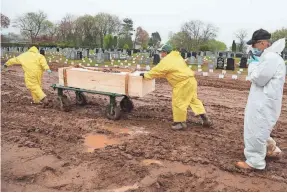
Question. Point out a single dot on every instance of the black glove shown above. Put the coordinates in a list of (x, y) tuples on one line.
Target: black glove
[(142, 74)]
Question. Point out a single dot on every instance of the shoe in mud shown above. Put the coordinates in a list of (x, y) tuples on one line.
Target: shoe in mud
[(276, 153), (206, 122), (179, 126), (244, 166), (46, 102)]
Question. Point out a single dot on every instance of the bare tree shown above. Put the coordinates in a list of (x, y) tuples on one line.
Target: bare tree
[(5, 21), (31, 24), (241, 36), (141, 37), (67, 28), (87, 30), (107, 24), (198, 33)]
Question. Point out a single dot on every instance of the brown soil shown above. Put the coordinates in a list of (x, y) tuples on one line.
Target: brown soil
[(44, 149)]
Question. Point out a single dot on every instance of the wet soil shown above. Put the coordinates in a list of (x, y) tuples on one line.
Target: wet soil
[(45, 149)]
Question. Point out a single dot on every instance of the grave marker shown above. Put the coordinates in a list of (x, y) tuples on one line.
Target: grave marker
[(220, 62)]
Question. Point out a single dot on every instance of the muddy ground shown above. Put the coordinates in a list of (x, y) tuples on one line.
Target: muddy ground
[(44, 149)]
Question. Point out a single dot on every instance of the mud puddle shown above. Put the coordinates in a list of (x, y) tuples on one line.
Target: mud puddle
[(130, 130), (97, 141)]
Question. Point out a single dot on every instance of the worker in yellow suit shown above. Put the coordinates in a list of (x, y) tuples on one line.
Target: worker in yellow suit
[(33, 64), (184, 93)]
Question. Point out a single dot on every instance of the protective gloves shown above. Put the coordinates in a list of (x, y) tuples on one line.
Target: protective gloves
[(49, 71)]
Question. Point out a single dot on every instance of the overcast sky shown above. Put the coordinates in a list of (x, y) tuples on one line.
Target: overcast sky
[(165, 16)]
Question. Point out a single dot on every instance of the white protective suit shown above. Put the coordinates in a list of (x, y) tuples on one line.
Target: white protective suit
[(264, 103)]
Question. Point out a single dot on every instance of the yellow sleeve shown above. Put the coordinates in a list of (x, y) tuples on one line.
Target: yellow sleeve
[(13, 61), (43, 63), (159, 71)]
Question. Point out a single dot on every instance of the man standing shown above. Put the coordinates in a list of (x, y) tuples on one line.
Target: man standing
[(267, 73), (33, 64), (181, 78)]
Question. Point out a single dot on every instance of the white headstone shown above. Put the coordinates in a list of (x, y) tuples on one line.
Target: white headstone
[(234, 77), (211, 70), (205, 73), (220, 76)]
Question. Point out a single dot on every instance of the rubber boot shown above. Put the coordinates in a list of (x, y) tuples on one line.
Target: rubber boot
[(179, 126), (206, 122)]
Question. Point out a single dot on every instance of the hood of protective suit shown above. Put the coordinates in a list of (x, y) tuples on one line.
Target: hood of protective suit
[(33, 49), (277, 47)]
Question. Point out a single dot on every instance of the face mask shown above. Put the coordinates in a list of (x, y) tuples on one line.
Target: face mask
[(256, 52)]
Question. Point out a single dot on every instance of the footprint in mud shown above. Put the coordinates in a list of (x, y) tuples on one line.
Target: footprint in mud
[(148, 162)]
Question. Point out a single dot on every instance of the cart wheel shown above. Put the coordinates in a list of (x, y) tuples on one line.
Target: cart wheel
[(65, 103), (126, 104), (113, 113), (81, 99)]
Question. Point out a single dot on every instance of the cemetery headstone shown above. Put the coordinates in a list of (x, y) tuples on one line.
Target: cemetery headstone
[(87, 53), (194, 54), (243, 62), (107, 56), (79, 55), (210, 65), (199, 60), (182, 54), (100, 58), (129, 52), (191, 60), (156, 59), (230, 64), (238, 55), (220, 62)]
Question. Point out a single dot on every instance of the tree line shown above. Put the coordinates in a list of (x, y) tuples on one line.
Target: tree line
[(109, 31), (102, 30)]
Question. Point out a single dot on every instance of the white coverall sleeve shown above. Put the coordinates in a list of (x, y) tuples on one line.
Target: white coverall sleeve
[(264, 71)]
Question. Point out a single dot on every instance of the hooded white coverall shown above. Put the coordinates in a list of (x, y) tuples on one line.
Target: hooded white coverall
[(264, 103)]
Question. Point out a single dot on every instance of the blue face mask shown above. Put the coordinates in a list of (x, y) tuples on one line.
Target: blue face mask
[(256, 52)]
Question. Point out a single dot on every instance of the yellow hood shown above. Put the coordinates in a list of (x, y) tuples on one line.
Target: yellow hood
[(33, 49)]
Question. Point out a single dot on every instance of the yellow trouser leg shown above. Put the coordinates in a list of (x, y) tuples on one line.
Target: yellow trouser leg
[(33, 83), (195, 104), (181, 97), (35, 98), (184, 95)]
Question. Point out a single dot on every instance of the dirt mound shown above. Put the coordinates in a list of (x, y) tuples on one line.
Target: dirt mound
[(45, 149)]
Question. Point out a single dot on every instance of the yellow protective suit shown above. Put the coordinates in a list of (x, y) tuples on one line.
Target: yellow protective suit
[(181, 78), (33, 64)]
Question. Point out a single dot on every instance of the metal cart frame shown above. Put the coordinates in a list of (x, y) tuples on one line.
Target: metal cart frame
[(113, 111)]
